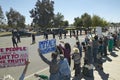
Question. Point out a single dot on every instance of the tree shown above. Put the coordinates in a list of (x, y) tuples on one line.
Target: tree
[(65, 23), (98, 21), (86, 19), (95, 21), (15, 19), (58, 20), (1, 17), (43, 14), (78, 22)]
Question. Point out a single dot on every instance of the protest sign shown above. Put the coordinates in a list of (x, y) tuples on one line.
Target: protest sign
[(10, 57), (47, 46), (99, 31)]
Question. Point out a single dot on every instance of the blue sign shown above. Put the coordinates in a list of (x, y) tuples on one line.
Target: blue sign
[(47, 46)]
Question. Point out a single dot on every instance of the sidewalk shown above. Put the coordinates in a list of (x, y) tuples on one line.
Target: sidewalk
[(111, 69)]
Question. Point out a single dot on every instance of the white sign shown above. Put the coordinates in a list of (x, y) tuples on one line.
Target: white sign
[(10, 57), (99, 31)]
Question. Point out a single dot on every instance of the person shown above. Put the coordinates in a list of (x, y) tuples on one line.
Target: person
[(95, 45), (110, 44), (105, 44), (14, 41), (24, 71), (53, 33), (60, 34), (59, 50), (76, 58), (79, 47), (18, 37), (64, 70), (67, 50), (53, 64), (33, 38), (70, 33)]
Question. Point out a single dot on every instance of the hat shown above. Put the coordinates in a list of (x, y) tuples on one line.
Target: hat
[(75, 50)]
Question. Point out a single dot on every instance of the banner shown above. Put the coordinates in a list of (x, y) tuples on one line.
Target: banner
[(10, 57), (47, 46)]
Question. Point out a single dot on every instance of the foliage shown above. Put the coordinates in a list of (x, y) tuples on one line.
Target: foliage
[(98, 21), (65, 23), (86, 19), (78, 22), (58, 20), (15, 19), (42, 14), (1, 17)]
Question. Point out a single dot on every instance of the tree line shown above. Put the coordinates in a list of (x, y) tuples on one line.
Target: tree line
[(43, 16)]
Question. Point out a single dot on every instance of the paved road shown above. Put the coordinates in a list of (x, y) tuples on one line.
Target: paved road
[(36, 64), (111, 66)]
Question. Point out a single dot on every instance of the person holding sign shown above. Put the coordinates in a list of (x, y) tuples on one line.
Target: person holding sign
[(53, 64)]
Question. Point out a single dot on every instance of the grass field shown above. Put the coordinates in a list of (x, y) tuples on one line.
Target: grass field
[(5, 34)]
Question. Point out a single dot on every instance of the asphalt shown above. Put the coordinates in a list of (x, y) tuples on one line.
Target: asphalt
[(111, 65)]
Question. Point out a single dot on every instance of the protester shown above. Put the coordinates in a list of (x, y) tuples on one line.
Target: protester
[(95, 45), (78, 45), (59, 50), (105, 44), (64, 70), (14, 41), (67, 50), (53, 64), (110, 44), (76, 58)]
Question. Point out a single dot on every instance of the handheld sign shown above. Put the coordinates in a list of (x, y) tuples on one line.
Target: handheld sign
[(99, 31), (47, 46), (10, 57)]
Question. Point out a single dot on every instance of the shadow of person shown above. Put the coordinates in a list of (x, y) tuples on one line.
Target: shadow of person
[(116, 49), (103, 75), (113, 54), (108, 59), (88, 78)]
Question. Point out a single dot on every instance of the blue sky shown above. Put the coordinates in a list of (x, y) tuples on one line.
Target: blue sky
[(107, 9)]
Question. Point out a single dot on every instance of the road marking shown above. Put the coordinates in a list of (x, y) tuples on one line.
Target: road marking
[(72, 73), (36, 73)]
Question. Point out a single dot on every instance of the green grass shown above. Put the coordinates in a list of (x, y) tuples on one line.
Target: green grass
[(5, 34)]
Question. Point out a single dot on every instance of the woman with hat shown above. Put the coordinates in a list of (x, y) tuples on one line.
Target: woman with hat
[(76, 59)]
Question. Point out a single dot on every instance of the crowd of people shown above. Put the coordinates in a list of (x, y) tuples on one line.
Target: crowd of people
[(93, 50)]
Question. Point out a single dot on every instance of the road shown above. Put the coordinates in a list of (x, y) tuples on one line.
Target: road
[(36, 64)]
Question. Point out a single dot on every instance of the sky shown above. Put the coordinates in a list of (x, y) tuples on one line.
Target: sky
[(106, 9)]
